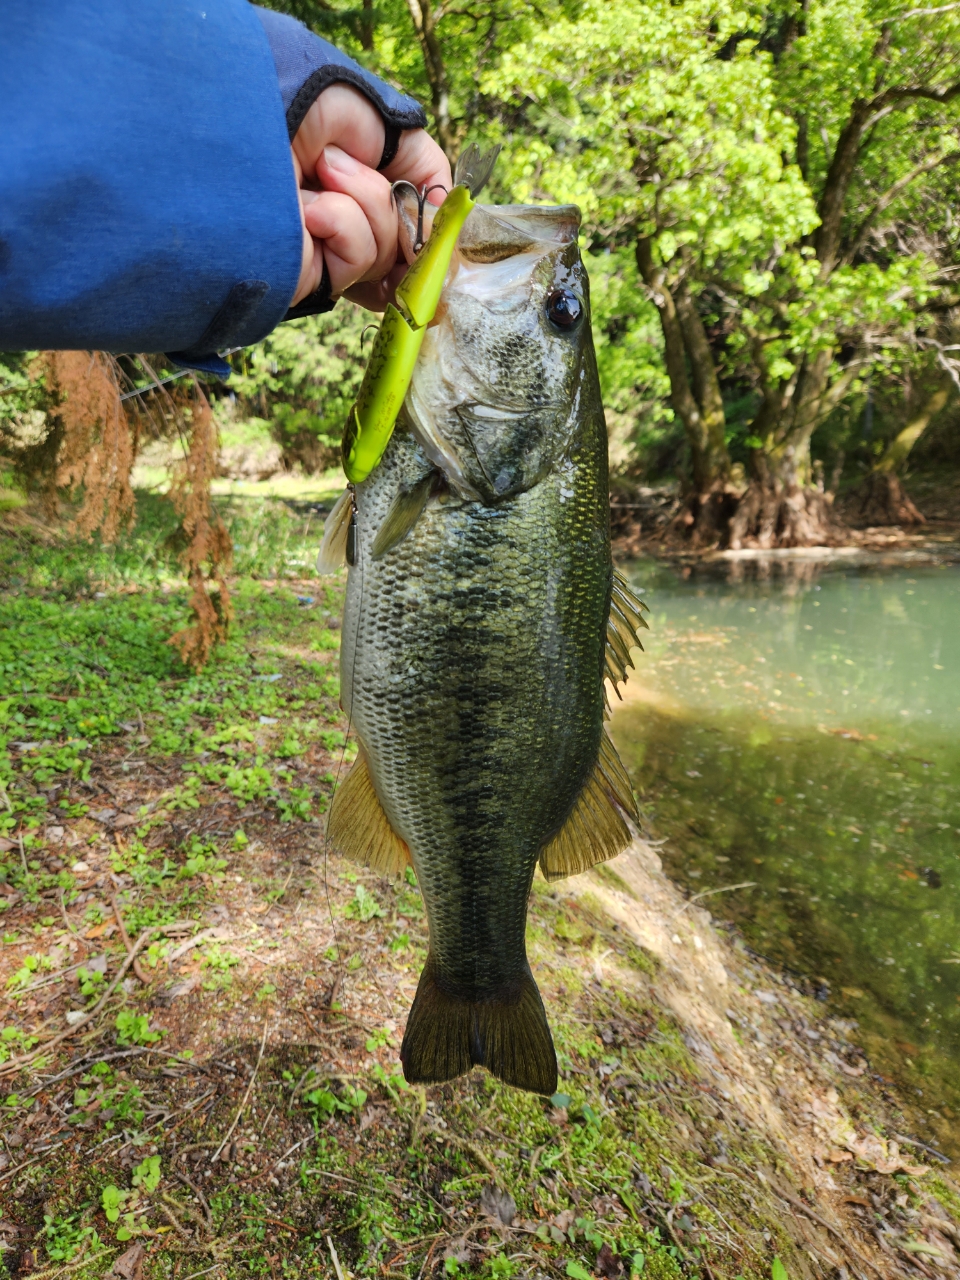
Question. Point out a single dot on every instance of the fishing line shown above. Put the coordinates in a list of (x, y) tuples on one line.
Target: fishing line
[(343, 751)]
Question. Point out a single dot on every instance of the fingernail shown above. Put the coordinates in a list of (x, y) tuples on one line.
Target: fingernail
[(308, 197), (340, 160)]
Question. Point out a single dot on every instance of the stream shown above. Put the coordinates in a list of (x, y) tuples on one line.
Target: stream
[(796, 726)]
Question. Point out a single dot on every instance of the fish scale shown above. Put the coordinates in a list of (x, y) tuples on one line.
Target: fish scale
[(472, 662)]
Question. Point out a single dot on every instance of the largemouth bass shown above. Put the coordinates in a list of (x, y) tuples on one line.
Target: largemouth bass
[(482, 616)]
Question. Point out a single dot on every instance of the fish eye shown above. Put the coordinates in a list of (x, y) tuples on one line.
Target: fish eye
[(563, 308)]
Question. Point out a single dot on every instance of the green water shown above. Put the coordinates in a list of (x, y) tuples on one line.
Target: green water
[(803, 732)]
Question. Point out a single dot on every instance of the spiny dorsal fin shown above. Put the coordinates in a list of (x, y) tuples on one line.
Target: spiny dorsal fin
[(405, 511), (360, 830), (625, 622), (595, 830), (333, 549)]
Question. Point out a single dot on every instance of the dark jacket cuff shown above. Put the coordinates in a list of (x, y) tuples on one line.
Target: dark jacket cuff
[(306, 65)]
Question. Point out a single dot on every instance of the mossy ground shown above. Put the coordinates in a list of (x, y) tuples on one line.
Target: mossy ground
[(277, 979)]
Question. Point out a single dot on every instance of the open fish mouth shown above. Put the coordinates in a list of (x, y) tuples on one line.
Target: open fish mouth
[(510, 443)]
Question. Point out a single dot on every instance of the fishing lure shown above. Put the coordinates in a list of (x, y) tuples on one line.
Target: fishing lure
[(373, 415)]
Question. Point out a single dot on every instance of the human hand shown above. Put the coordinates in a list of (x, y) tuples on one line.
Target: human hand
[(349, 220)]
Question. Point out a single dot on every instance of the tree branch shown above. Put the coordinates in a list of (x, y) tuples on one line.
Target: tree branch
[(885, 200), (925, 13)]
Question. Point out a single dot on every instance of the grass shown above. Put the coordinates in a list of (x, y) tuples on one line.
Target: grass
[(185, 812)]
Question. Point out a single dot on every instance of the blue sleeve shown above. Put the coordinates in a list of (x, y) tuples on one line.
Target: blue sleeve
[(147, 193)]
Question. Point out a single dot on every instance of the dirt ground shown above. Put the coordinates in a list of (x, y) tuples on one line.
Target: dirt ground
[(202, 1007), (709, 1117)]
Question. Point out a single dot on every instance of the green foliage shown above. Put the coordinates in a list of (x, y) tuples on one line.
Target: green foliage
[(67, 1235), (303, 379), (324, 1103), (364, 906), (13, 1041), (778, 1271), (147, 1174), (134, 1028)]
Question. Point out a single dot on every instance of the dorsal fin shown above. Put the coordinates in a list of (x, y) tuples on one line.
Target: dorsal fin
[(359, 829), (595, 830), (333, 549), (625, 622), (405, 510)]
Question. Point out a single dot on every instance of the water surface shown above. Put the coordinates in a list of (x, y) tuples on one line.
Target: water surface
[(799, 729)]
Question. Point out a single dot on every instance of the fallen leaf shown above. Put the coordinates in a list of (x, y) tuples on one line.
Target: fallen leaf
[(860, 1200), (838, 1157), (129, 1265), (370, 1117), (498, 1204), (883, 1156), (6, 845), (125, 820), (103, 930), (564, 1221), (609, 1264)]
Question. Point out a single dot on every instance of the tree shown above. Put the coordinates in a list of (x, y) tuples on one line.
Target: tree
[(754, 159)]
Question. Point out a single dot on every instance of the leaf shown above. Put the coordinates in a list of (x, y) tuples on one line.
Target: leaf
[(778, 1271), (577, 1271)]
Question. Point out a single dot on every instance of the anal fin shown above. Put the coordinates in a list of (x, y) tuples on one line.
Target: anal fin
[(358, 828), (595, 830)]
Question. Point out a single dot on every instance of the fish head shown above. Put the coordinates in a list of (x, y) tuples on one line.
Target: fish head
[(494, 395)]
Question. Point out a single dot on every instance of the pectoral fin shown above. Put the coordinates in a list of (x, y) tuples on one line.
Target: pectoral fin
[(359, 829), (405, 511), (625, 622), (336, 528), (595, 830)]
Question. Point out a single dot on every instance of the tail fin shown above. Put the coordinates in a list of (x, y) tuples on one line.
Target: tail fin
[(508, 1035)]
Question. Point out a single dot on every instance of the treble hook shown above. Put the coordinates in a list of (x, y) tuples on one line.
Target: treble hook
[(421, 197)]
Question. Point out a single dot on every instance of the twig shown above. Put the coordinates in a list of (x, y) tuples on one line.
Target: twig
[(236, 1119), (66, 921), (465, 1144), (17, 1064), (171, 1218), (187, 1182), (124, 936), (707, 893), (912, 1142), (292, 1149), (797, 1203), (11, 1172), (336, 1260), (88, 1061)]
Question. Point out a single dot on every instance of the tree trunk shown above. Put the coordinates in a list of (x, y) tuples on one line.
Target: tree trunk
[(778, 510), (895, 457), (882, 500), (424, 16), (696, 400)]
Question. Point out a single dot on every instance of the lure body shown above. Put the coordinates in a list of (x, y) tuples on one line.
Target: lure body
[(397, 345)]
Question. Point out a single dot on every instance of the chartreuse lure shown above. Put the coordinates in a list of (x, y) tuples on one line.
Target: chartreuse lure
[(373, 416), (371, 420)]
